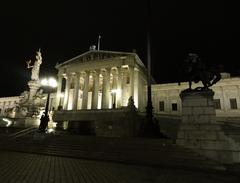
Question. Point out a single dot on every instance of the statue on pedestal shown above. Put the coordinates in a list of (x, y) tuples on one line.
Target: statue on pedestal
[(36, 66), (195, 70), (32, 101)]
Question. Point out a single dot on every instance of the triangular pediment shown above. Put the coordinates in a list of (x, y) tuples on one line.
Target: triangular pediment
[(93, 55)]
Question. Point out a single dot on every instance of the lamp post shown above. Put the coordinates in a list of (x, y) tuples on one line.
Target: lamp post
[(149, 107), (48, 84)]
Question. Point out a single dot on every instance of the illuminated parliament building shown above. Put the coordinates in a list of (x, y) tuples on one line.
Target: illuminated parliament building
[(102, 80)]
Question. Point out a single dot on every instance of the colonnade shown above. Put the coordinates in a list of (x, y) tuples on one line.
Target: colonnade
[(109, 87)]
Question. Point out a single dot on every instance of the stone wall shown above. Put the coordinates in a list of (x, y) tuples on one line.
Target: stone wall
[(120, 122)]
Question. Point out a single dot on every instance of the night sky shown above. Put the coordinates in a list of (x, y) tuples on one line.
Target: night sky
[(65, 30)]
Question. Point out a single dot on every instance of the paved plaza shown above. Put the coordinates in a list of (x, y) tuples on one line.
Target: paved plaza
[(69, 158), (35, 168)]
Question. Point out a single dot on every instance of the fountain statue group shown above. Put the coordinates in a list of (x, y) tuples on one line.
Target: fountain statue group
[(32, 101)]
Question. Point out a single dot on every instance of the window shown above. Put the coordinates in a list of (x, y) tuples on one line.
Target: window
[(174, 106), (161, 105), (233, 103), (217, 103)]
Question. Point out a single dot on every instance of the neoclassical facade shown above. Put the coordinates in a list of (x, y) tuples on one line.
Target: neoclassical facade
[(7, 103), (107, 79), (101, 80), (166, 98)]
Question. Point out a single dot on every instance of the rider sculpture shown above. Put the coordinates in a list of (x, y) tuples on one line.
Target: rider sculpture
[(195, 71)]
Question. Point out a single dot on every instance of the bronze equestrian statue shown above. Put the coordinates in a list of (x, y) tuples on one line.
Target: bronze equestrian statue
[(195, 70)]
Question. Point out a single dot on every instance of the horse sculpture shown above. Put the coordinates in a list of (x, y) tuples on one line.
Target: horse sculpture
[(195, 70)]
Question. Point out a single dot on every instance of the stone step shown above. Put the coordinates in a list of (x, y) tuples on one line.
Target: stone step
[(176, 154), (144, 151), (106, 147), (76, 150), (116, 157), (68, 149)]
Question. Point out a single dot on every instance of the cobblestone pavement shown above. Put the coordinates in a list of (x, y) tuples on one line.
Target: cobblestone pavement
[(36, 168)]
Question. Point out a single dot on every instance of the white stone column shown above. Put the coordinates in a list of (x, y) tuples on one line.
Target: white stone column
[(131, 75), (95, 89), (85, 90), (124, 87), (66, 95), (224, 103), (168, 104), (119, 86), (106, 88), (238, 99), (76, 91), (3, 108), (59, 87), (135, 85)]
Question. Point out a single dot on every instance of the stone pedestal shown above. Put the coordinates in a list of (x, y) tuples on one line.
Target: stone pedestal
[(199, 130), (33, 88), (32, 108)]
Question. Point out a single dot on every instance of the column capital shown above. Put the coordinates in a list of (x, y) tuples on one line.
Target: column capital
[(105, 71), (120, 69), (136, 69), (97, 70), (60, 75), (77, 74), (85, 73), (68, 75), (64, 75), (108, 69), (131, 67)]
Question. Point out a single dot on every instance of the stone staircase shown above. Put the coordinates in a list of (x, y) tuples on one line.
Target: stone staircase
[(232, 130), (141, 151)]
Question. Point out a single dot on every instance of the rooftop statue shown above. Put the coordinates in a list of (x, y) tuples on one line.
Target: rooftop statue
[(36, 66), (195, 70)]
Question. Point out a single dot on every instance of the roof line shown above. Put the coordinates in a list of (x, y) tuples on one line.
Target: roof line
[(103, 51)]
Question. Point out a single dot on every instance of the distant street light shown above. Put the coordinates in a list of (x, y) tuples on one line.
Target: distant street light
[(48, 84)]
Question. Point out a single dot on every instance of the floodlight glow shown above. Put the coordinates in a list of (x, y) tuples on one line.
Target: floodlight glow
[(9, 122), (115, 91), (61, 95), (52, 82), (49, 82), (44, 82)]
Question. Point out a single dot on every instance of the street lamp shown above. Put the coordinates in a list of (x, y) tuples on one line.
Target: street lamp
[(48, 84), (114, 92)]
